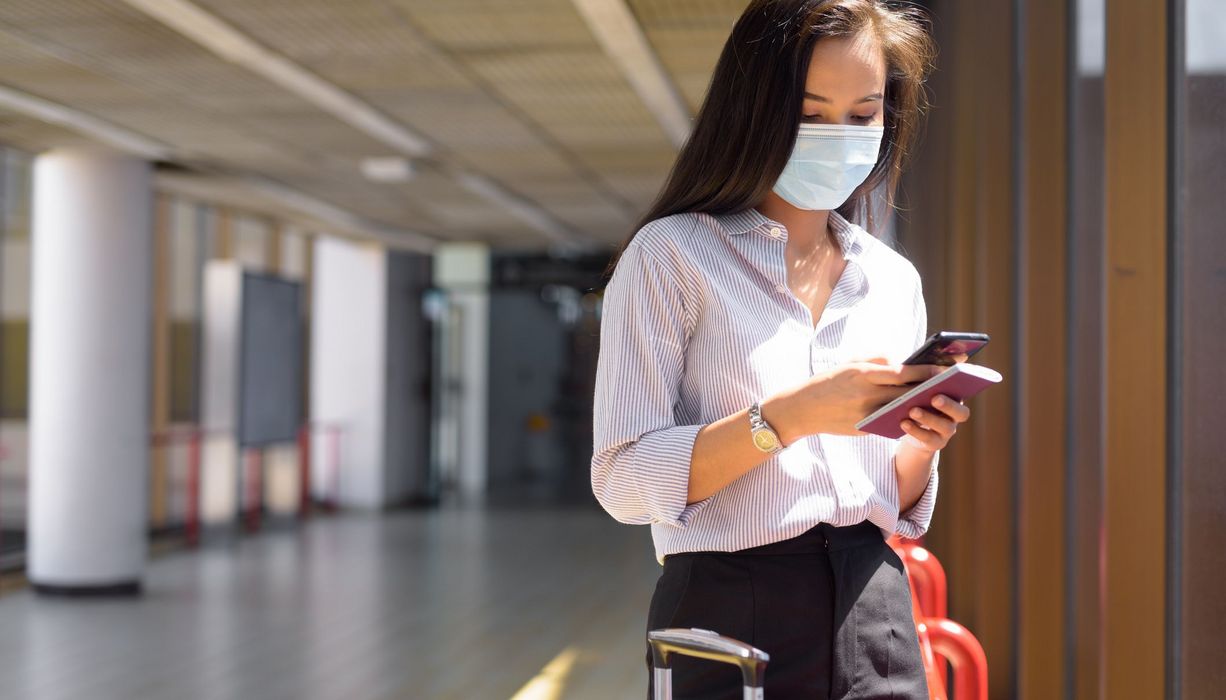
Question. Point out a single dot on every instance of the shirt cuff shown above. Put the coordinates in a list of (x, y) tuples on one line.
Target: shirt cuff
[(914, 522), (661, 471)]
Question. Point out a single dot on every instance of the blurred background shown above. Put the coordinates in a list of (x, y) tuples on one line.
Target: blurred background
[(299, 312)]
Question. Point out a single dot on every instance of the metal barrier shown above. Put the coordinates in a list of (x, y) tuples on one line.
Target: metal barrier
[(190, 439), (251, 464), (939, 636), (954, 642), (929, 576)]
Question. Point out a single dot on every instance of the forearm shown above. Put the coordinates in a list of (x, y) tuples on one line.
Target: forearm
[(724, 450), (913, 467)]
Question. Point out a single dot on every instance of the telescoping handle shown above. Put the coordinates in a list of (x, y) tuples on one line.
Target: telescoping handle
[(705, 644)]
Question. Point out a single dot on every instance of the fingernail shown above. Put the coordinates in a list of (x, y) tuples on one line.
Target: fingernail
[(938, 401), (916, 413)]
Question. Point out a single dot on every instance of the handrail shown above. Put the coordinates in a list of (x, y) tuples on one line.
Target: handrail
[(954, 642), (930, 582), (932, 670), (938, 635), (252, 472)]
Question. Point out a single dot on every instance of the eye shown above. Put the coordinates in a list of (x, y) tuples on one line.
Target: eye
[(864, 119)]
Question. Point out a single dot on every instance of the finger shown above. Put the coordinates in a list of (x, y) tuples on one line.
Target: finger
[(956, 410), (903, 374), (962, 357), (927, 438), (934, 421), (876, 360)]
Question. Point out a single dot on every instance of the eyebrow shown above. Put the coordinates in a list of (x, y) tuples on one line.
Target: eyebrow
[(867, 98)]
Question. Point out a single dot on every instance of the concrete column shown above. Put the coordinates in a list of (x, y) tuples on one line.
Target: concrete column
[(89, 371), (219, 390), (348, 356), (368, 367), (463, 270)]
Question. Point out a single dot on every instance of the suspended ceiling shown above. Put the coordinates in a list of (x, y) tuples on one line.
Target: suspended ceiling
[(521, 92)]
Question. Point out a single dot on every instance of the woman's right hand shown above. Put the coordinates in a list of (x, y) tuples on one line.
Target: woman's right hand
[(835, 400)]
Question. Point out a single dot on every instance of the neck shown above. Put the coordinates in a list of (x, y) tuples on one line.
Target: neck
[(807, 228)]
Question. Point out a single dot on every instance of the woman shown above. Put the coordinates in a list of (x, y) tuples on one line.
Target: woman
[(748, 324)]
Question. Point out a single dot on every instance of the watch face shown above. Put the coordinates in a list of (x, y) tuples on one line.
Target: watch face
[(765, 440)]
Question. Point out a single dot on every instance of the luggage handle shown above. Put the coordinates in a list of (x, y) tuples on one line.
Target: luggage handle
[(705, 644)]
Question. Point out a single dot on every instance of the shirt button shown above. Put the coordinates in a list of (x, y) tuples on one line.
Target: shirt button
[(775, 232), (781, 288)]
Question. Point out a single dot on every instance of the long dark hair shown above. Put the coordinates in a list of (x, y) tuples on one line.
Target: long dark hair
[(746, 128)]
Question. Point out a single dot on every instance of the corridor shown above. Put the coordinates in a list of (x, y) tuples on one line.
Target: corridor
[(453, 603)]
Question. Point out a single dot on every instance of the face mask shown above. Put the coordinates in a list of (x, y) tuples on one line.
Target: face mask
[(828, 163)]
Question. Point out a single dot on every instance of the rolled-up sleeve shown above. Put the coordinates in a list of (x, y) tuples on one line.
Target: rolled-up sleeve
[(914, 522), (641, 456)]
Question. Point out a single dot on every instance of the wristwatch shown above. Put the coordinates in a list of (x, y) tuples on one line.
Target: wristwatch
[(764, 436)]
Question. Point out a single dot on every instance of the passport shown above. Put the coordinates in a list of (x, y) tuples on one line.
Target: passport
[(960, 382)]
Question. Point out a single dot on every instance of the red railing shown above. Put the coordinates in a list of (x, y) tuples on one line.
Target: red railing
[(956, 643), (938, 635), (191, 441), (929, 576)]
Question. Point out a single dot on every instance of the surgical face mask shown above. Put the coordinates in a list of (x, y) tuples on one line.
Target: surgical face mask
[(828, 163)]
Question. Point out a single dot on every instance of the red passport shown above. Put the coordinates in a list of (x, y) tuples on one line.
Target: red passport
[(960, 382)]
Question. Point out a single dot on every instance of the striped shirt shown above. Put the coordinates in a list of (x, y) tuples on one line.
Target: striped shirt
[(697, 322)]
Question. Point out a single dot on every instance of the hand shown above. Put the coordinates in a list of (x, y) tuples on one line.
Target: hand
[(933, 427), (835, 400)]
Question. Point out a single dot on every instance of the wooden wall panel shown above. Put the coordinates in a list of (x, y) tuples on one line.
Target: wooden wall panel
[(1084, 534), (1052, 519), (1042, 376), (923, 229), (994, 296), (968, 259), (957, 505), (224, 234), (1201, 276), (1136, 364)]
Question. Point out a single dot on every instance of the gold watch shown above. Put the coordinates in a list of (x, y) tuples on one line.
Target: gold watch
[(764, 436)]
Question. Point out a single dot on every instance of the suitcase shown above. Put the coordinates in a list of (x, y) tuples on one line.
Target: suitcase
[(704, 644)]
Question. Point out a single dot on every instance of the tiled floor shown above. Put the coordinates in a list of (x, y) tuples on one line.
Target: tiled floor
[(455, 603)]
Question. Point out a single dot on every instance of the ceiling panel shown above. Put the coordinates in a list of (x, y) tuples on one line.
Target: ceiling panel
[(518, 90), (688, 36)]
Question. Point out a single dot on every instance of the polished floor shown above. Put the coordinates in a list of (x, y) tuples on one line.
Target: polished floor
[(462, 602)]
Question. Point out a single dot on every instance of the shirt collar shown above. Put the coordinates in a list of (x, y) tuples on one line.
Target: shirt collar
[(750, 219)]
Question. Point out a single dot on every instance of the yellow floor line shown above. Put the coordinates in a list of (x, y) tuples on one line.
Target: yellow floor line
[(548, 684)]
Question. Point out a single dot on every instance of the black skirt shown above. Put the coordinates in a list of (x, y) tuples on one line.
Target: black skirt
[(832, 607)]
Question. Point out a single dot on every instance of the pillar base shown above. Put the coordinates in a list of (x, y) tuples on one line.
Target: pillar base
[(122, 589)]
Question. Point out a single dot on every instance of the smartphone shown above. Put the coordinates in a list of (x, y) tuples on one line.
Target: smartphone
[(943, 347)]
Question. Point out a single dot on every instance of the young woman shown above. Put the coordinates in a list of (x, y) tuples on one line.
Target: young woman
[(749, 322)]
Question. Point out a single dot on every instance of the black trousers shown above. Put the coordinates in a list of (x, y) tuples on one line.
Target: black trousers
[(832, 608)]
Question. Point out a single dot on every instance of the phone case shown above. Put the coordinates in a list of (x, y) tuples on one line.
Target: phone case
[(960, 382)]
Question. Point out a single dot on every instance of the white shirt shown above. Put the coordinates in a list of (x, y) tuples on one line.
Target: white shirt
[(697, 323)]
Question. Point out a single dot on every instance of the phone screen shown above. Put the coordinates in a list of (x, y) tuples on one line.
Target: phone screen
[(944, 347)]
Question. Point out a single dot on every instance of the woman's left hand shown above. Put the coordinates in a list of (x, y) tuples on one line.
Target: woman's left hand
[(933, 427)]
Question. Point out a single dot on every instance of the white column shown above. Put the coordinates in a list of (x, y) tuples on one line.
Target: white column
[(89, 371), (219, 378), (348, 368), (463, 269)]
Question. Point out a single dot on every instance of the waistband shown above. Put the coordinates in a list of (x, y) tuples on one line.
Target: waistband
[(822, 537)]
